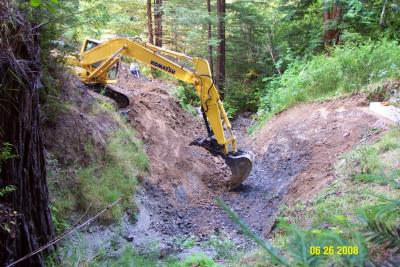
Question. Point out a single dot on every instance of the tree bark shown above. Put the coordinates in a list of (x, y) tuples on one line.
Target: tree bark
[(221, 46), (382, 18), (150, 22), (209, 37), (158, 32), (332, 17), (20, 126)]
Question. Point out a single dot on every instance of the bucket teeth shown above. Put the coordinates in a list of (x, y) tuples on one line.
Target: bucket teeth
[(240, 163)]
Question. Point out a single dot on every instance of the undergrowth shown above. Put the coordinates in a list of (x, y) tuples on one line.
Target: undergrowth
[(187, 97), (347, 69), (112, 173), (77, 254)]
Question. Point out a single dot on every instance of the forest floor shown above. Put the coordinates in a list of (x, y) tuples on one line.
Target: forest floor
[(294, 157)]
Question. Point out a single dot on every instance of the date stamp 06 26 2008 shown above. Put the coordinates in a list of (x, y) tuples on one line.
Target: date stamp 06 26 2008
[(333, 250)]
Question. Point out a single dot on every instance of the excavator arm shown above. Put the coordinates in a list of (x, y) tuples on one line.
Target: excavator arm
[(97, 62)]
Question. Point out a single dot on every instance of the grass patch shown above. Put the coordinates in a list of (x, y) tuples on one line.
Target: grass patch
[(111, 172), (348, 69), (113, 176)]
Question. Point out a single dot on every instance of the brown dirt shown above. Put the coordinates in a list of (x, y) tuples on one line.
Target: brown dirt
[(181, 170), (295, 153), (323, 131), (69, 128)]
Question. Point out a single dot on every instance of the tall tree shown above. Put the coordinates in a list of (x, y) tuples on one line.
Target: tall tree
[(332, 18), (158, 31), (28, 226), (221, 46), (150, 22), (209, 37)]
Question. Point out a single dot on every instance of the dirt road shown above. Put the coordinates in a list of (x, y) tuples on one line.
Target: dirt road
[(295, 153)]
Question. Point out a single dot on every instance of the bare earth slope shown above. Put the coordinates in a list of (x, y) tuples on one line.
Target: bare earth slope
[(294, 152)]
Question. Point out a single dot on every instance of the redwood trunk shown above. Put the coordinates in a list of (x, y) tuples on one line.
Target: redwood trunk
[(150, 22), (20, 126), (158, 32), (332, 17), (221, 46)]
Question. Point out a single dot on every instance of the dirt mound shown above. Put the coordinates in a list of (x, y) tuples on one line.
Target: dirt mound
[(167, 131), (182, 178), (71, 126), (295, 153), (319, 133)]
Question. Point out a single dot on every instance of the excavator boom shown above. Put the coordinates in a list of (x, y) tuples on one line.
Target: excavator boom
[(98, 59)]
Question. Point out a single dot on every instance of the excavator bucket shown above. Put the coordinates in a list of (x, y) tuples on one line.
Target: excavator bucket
[(240, 164)]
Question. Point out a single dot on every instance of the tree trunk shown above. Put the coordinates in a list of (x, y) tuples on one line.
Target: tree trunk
[(150, 22), (221, 46), (158, 32), (20, 126), (382, 19), (209, 36), (332, 17)]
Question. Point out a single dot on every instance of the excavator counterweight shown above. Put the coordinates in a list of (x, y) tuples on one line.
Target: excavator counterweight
[(98, 64)]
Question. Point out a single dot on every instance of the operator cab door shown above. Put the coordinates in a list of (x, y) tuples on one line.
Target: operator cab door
[(113, 72)]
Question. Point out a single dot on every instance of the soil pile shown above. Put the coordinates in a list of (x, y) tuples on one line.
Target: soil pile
[(295, 153), (319, 133), (182, 178)]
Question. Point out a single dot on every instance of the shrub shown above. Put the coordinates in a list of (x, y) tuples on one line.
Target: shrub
[(348, 69), (187, 97)]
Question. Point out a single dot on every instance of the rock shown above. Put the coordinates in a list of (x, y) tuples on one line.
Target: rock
[(129, 238), (166, 251)]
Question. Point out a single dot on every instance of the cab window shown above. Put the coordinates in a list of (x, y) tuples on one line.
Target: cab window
[(90, 44), (113, 72)]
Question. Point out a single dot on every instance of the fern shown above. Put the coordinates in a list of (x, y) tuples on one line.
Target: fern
[(383, 233), (392, 262), (265, 245), (299, 246), (389, 178)]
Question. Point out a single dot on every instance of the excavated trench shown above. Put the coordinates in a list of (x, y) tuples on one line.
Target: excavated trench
[(295, 153)]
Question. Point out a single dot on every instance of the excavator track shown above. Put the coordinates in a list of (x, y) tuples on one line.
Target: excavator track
[(113, 92)]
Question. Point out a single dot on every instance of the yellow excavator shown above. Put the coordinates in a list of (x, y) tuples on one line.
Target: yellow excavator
[(98, 64)]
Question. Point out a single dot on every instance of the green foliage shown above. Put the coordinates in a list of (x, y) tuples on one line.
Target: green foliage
[(104, 181), (187, 97), (129, 257), (241, 97), (59, 223), (264, 244), (223, 246), (382, 232), (6, 189), (390, 141), (349, 69), (6, 152), (186, 242), (198, 260), (125, 150)]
